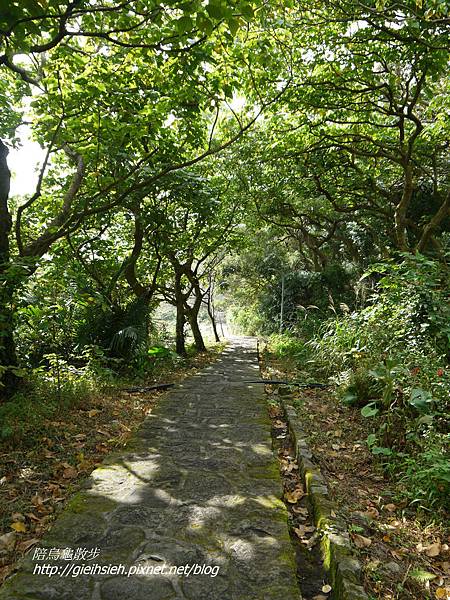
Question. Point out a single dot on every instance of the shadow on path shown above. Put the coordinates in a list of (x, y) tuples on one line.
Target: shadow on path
[(197, 485)]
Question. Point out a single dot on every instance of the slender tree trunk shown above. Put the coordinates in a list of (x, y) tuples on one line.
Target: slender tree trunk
[(211, 312), (180, 345), (212, 318), (192, 314), (401, 210), (8, 357)]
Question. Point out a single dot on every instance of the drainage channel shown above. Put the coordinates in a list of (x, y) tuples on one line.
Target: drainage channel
[(311, 574)]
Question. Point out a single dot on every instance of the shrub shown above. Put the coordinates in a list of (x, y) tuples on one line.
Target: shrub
[(390, 359)]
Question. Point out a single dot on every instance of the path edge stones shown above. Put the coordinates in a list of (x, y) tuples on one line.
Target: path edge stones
[(344, 569)]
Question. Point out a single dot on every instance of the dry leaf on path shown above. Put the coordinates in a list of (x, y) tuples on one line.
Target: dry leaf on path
[(360, 541), (302, 530), (300, 510), (293, 497)]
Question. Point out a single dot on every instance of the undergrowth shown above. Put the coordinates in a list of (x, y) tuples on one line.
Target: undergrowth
[(390, 361)]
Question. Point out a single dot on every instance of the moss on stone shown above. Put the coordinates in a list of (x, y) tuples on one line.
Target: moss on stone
[(84, 502), (270, 471)]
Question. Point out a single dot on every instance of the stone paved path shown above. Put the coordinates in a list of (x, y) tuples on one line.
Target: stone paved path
[(198, 485)]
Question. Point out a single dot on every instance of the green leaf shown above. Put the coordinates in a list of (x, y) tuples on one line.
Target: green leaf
[(420, 399), (204, 24), (381, 450), (371, 439), (349, 398), (233, 25), (369, 410), (247, 11), (421, 575), (184, 24), (216, 10)]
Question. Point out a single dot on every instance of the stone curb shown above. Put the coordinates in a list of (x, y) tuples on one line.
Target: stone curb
[(338, 558)]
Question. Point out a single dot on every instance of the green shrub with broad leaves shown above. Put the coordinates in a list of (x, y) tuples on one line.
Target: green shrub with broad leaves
[(391, 361)]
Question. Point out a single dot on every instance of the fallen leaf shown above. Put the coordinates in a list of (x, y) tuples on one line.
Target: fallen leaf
[(300, 510), (360, 541), (371, 512), (70, 473), (433, 549), (27, 544), (101, 448), (7, 541), (37, 500), (302, 530), (442, 593), (33, 517), (390, 507), (326, 589), (19, 526), (93, 412), (17, 517), (293, 497)]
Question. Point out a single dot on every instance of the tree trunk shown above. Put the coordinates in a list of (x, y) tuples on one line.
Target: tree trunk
[(438, 218), (198, 338), (192, 314), (180, 346), (8, 357), (211, 311), (212, 318), (401, 210)]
